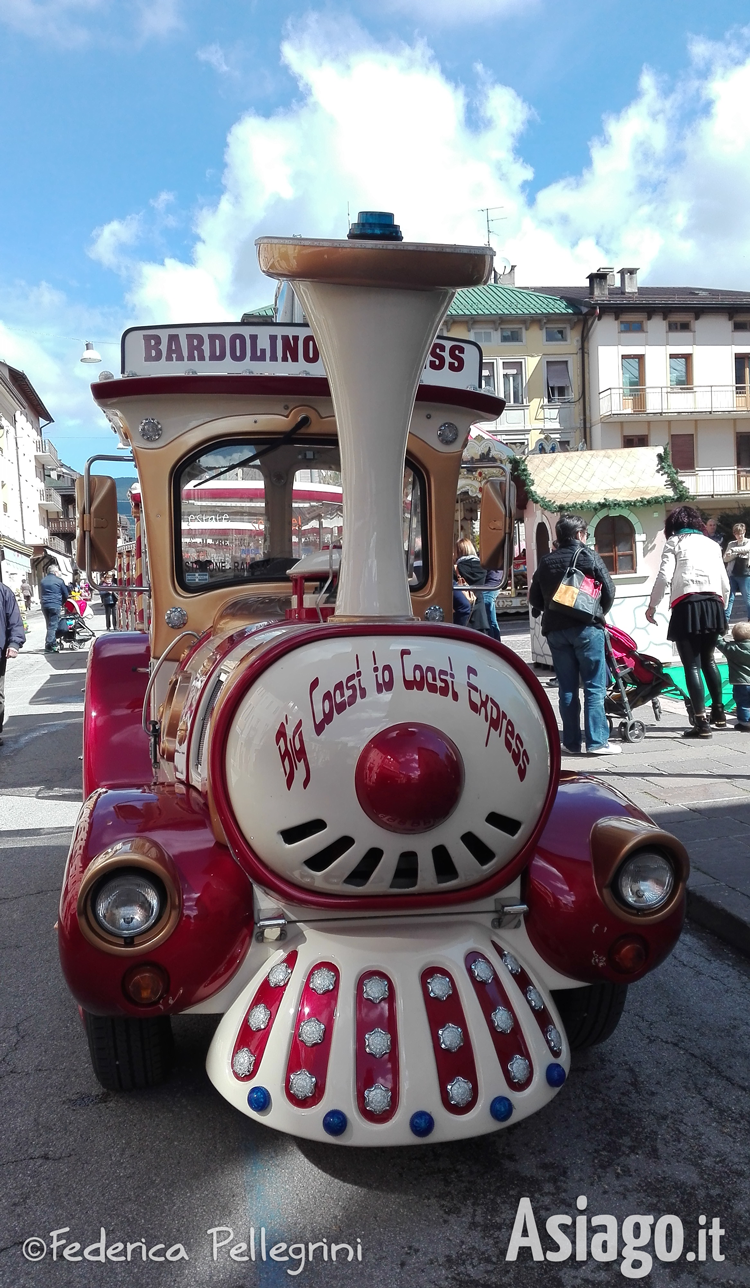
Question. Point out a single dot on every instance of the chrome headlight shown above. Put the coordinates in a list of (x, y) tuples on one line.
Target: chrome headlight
[(645, 881), (128, 904)]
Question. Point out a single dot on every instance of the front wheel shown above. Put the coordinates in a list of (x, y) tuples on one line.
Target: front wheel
[(590, 1015), (128, 1055)]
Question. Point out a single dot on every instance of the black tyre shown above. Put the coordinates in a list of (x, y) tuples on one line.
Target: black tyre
[(590, 1015), (635, 731), (128, 1055)]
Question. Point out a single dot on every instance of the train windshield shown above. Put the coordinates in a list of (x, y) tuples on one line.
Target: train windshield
[(246, 511)]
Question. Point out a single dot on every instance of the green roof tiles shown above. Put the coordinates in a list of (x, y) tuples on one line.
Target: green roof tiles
[(508, 301)]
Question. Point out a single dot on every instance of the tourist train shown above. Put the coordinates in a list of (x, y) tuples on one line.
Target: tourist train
[(313, 807)]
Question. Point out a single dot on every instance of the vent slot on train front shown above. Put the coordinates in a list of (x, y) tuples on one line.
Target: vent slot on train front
[(476, 847), (445, 868), (301, 832), (324, 858), (503, 824), (407, 871), (360, 875), (206, 721)]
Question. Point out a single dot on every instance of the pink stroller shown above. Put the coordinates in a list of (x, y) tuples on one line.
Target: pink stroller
[(636, 679)]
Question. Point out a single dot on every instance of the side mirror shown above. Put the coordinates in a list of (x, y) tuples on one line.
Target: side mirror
[(496, 519), (100, 522)]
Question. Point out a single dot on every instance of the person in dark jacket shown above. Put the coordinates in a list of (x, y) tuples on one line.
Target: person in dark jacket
[(577, 647), (108, 596), (52, 595), (12, 638), (470, 571)]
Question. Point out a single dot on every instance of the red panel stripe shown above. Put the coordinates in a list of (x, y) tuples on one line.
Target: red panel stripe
[(313, 1059), (492, 996), (373, 1069), (450, 1064), (524, 982), (255, 1040)]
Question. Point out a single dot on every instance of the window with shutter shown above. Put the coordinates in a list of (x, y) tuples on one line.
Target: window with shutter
[(682, 447)]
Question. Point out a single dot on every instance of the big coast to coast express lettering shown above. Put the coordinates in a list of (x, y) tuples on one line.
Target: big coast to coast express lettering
[(413, 677)]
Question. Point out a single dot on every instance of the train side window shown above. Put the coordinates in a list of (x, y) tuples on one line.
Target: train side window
[(414, 521)]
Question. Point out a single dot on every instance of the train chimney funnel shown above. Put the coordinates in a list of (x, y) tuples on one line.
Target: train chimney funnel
[(374, 304)]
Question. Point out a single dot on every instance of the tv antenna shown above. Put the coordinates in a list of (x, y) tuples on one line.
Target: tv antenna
[(487, 212)]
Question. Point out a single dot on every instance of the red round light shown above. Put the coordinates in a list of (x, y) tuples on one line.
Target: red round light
[(409, 778), (628, 954)]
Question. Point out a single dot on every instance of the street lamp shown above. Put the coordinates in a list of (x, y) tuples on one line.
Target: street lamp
[(90, 354)]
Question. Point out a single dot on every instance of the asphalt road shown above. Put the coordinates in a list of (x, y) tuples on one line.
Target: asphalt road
[(654, 1123)]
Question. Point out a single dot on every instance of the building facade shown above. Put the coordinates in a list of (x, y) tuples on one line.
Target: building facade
[(29, 501), (670, 367), (531, 344)]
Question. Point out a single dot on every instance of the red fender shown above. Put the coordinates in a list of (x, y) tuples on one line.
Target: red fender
[(214, 929), (115, 748), (568, 922)]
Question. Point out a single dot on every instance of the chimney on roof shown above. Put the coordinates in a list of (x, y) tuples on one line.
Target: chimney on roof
[(599, 284), (629, 281), (507, 277)]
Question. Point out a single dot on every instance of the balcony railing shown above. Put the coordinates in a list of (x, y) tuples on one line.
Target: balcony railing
[(674, 400), (559, 415), (724, 480), (49, 500), (62, 527), (46, 453)]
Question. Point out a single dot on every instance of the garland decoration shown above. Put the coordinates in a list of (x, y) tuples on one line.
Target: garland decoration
[(678, 492), (664, 466)]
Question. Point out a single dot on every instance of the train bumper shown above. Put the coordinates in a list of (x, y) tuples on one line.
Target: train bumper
[(431, 1032)]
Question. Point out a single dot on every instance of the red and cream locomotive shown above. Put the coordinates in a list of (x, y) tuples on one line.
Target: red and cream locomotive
[(312, 806)]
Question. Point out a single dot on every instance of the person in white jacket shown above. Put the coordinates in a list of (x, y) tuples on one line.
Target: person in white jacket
[(693, 570), (737, 559)]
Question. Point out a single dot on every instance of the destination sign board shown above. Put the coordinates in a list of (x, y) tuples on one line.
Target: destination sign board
[(269, 348)]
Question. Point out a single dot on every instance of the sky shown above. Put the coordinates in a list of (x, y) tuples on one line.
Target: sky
[(145, 144)]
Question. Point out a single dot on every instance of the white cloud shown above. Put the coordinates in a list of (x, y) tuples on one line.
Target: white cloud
[(448, 13), (109, 241), (42, 333), (214, 56), (159, 18), (667, 187), (59, 21), (72, 23)]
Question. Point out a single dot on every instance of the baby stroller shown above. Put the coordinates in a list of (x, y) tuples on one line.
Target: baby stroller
[(636, 679), (72, 629)]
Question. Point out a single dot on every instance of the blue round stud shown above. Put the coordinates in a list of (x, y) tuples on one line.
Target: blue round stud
[(258, 1099), (422, 1123), (501, 1109), (335, 1122), (556, 1075)]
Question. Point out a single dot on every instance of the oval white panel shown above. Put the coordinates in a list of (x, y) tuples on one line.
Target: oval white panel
[(293, 748)]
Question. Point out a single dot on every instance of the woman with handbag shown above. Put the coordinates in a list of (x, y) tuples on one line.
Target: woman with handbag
[(572, 590), (693, 571), (469, 572), (737, 559)]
